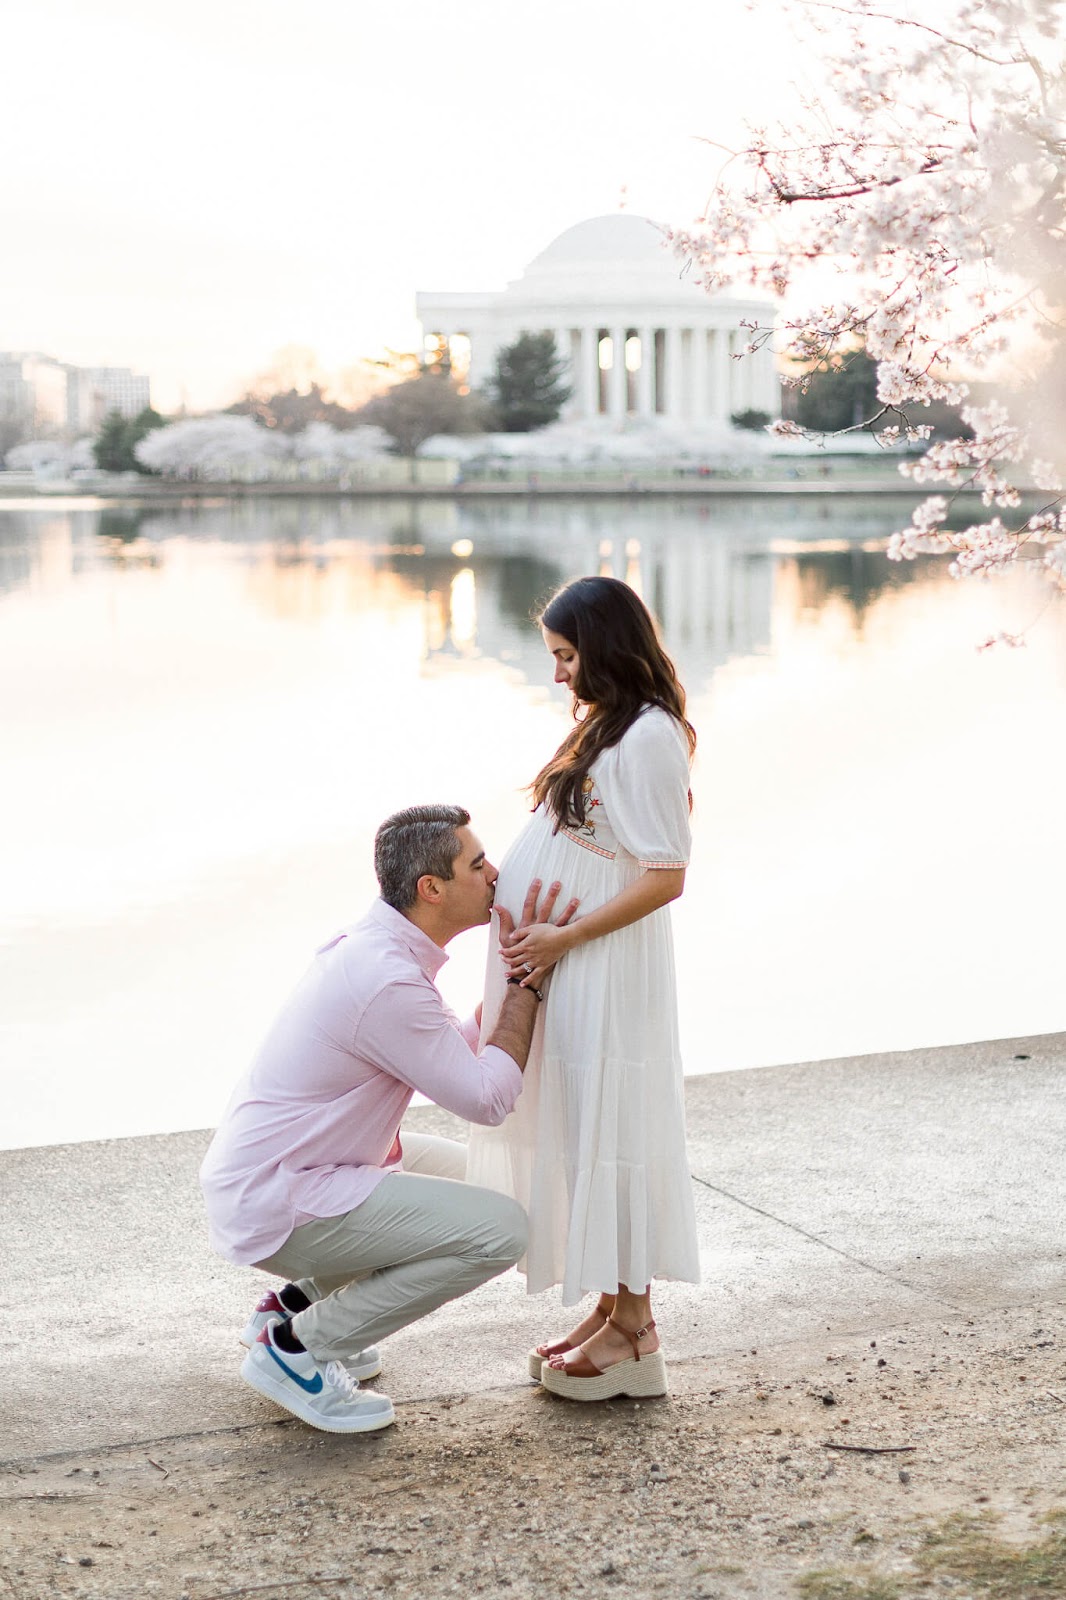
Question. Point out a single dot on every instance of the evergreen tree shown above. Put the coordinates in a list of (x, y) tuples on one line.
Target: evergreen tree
[(139, 427), (113, 447), (109, 446), (839, 393), (526, 391)]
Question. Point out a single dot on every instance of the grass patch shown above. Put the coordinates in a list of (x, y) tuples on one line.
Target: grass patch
[(963, 1549), (833, 1584)]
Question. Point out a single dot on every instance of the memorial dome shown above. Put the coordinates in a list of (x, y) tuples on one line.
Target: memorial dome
[(616, 255), (619, 236)]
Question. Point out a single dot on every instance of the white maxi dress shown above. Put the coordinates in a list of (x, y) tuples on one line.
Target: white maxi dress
[(595, 1147)]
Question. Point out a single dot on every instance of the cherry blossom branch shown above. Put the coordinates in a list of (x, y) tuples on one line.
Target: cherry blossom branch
[(949, 212), (859, 187), (911, 22)]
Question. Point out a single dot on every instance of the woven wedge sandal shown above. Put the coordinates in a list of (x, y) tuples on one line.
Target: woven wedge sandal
[(544, 1352), (640, 1377)]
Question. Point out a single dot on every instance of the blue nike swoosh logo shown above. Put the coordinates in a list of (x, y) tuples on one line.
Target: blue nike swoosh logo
[(312, 1385)]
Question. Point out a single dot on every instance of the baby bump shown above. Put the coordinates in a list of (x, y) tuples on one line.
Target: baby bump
[(538, 853)]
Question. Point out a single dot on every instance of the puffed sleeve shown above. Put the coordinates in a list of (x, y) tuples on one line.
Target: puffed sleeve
[(644, 783)]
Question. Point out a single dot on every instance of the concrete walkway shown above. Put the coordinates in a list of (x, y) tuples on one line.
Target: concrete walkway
[(833, 1198)]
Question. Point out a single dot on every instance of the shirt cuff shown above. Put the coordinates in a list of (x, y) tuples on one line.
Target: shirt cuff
[(507, 1071)]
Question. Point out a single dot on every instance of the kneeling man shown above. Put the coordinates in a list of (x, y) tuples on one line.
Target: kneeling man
[(307, 1176)]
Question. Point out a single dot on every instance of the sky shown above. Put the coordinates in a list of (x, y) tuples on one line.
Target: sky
[(199, 186)]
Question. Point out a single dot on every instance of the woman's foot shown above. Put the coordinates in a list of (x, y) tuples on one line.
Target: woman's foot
[(585, 1329), (640, 1373), (614, 1341)]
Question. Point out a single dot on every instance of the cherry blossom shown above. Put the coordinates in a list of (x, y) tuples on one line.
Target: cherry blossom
[(215, 449), (926, 179), (221, 449)]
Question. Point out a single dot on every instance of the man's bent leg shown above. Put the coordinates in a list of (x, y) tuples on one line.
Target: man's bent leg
[(423, 1241), (428, 1155), (432, 1156)]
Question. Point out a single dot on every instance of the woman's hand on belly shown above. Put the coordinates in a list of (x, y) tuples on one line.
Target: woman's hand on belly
[(655, 888), (531, 950)]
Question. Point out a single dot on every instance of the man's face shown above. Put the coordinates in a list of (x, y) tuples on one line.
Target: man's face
[(467, 896)]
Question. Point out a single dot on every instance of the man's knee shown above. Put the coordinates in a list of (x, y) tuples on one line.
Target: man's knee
[(433, 1157), (510, 1229)]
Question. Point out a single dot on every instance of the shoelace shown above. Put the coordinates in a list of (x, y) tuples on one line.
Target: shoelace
[(341, 1379)]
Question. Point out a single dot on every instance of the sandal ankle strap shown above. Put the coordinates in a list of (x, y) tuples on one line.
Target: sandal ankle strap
[(633, 1338)]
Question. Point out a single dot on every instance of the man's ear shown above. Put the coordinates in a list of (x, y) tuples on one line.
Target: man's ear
[(428, 889)]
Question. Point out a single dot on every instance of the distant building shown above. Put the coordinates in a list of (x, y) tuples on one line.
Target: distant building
[(637, 337), (33, 394), (85, 408), (42, 398), (121, 390)]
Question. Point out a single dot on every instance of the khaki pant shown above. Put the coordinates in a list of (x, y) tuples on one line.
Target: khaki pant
[(422, 1238)]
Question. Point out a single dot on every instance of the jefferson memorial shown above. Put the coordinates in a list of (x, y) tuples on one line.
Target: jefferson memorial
[(637, 337)]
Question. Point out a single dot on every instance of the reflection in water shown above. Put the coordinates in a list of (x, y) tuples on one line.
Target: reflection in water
[(464, 612), (708, 571), (121, 523), (207, 710), (857, 575)]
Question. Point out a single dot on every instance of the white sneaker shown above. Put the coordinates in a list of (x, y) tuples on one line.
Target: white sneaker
[(320, 1393), (364, 1364), (269, 1309)]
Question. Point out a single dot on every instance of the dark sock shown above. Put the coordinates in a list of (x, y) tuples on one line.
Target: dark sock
[(293, 1299), (286, 1340)]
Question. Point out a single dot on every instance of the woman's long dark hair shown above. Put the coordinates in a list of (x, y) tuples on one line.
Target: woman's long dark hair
[(622, 668)]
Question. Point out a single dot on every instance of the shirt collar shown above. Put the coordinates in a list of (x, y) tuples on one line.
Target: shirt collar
[(430, 956)]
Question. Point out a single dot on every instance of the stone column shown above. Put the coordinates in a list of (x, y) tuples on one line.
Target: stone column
[(587, 374), (741, 370), (646, 374), (721, 377), (740, 365), (698, 357), (659, 390), (616, 381), (673, 383), (483, 349)]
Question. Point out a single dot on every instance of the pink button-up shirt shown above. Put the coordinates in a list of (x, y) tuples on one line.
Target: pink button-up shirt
[(314, 1125)]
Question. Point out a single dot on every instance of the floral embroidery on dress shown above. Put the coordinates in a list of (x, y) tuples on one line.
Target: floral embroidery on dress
[(591, 800)]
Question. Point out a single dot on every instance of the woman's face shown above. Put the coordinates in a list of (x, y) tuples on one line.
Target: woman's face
[(564, 656)]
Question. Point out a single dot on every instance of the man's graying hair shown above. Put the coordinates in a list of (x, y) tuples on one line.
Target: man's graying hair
[(413, 842)]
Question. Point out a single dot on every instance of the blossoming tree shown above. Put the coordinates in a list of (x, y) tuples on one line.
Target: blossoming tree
[(926, 179), (215, 449)]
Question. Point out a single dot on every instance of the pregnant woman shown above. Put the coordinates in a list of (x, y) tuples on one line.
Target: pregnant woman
[(595, 1148)]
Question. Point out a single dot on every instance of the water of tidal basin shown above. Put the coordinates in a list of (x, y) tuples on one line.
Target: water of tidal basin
[(206, 711)]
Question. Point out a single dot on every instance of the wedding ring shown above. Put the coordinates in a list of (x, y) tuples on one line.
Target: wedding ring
[(527, 966)]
